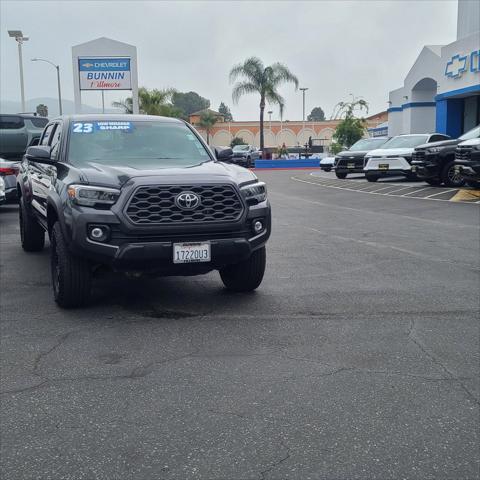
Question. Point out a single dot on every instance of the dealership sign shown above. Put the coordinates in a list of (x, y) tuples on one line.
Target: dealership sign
[(105, 73), (459, 64)]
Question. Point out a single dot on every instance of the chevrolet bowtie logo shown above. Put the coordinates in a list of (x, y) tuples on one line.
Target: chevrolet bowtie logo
[(88, 65), (456, 66)]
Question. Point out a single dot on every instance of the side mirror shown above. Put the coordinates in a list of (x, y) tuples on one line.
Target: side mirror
[(40, 154), (224, 154)]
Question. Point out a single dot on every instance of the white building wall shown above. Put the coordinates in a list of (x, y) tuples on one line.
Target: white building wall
[(468, 20)]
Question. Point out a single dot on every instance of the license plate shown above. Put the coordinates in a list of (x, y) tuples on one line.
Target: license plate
[(350, 165), (191, 252), (383, 166)]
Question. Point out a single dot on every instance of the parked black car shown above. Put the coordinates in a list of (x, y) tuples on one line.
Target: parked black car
[(467, 161), (143, 195), (351, 160), (435, 162)]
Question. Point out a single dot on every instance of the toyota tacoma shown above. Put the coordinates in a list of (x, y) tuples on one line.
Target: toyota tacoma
[(142, 195)]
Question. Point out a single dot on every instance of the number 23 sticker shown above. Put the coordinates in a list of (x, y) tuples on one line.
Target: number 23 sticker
[(82, 127)]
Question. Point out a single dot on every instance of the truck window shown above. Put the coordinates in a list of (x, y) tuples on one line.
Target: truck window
[(46, 134), (11, 122)]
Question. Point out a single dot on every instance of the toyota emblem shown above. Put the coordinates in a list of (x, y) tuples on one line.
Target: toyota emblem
[(187, 200)]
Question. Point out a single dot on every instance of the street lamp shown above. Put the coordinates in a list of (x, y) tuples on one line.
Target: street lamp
[(270, 119), (304, 89), (19, 38), (58, 80)]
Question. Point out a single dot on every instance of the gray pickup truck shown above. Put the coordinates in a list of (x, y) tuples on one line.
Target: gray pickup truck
[(18, 132)]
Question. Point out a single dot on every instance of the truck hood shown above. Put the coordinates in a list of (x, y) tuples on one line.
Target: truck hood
[(116, 176), (387, 152), (356, 154), (473, 141), (443, 143)]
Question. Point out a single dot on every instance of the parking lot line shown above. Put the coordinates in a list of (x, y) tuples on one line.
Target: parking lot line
[(429, 197), (416, 191), (441, 193)]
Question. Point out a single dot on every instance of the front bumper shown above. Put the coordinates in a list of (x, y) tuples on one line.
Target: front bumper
[(151, 250), (385, 166), (428, 167), (469, 170)]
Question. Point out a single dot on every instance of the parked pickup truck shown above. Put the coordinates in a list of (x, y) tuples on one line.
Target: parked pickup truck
[(143, 195), (467, 161), (17, 132), (435, 162)]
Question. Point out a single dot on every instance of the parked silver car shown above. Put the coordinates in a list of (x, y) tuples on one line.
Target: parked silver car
[(245, 155)]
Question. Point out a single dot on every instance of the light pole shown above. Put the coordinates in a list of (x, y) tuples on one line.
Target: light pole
[(58, 81), (304, 89), (19, 38)]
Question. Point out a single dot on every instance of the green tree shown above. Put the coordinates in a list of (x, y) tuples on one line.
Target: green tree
[(189, 102), (257, 78), (207, 122), (237, 141), (316, 115), (351, 128), (225, 111), (151, 102), (42, 110)]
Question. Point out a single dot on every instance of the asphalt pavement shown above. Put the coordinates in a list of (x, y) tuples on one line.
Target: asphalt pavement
[(357, 358)]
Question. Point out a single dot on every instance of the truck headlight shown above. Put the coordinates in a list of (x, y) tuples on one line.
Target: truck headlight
[(434, 150), (91, 196), (254, 193)]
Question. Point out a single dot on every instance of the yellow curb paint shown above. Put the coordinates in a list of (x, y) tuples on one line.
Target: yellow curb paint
[(466, 195)]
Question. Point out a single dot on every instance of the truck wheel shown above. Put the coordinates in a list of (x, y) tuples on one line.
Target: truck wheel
[(32, 234), (435, 182), (71, 276), (341, 175), (371, 177), (450, 178), (247, 275)]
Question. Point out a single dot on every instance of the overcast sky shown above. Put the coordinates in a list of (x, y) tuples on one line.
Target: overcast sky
[(334, 47)]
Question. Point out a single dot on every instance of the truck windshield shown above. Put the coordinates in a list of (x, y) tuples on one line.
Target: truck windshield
[(406, 141), (143, 144), (367, 144)]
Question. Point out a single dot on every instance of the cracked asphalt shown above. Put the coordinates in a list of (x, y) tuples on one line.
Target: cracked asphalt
[(358, 358)]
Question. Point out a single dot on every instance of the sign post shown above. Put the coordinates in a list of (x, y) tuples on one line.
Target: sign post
[(105, 64)]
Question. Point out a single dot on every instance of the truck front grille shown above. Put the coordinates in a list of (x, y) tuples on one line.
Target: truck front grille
[(418, 155), (155, 204), (463, 152)]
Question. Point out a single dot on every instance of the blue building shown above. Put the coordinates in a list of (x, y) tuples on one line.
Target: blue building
[(441, 92)]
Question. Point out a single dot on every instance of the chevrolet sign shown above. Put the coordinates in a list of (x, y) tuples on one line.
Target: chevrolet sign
[(105, 73)]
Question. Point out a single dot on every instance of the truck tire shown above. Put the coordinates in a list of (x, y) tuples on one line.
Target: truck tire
[(341, 175), (247, 275), (371, 177), (71, 276), (449, 178), (32, 234)]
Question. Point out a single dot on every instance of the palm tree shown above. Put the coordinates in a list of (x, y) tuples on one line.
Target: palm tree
[(151, 102), (207, 121), (256, 78)]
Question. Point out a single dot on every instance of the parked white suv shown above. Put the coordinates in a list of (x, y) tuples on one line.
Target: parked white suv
[(395, 156)]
